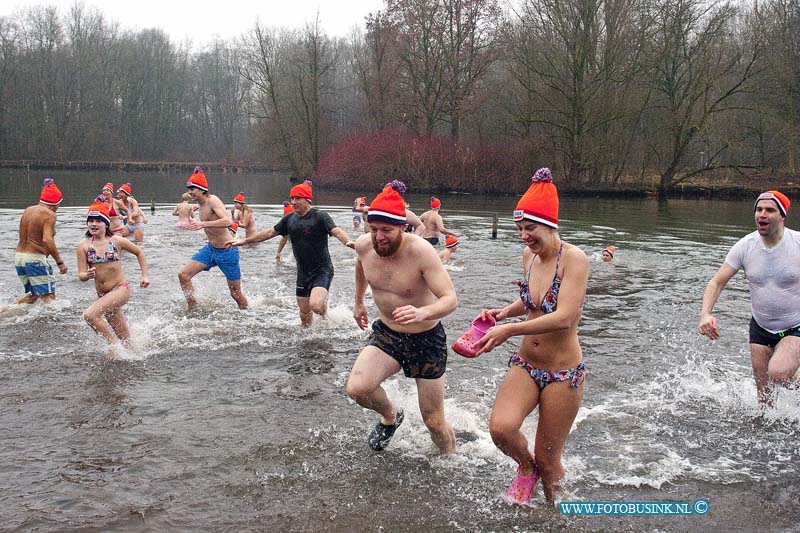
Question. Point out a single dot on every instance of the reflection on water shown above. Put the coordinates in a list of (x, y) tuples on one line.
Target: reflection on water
[(238, 420)]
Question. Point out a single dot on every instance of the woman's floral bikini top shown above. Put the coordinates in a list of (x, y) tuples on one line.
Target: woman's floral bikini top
[(550, 300), (112, 254)]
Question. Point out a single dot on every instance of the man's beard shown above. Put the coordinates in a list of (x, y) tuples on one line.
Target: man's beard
[(392, 248)]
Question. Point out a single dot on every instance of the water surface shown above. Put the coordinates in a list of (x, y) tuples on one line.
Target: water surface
[(238, 420)]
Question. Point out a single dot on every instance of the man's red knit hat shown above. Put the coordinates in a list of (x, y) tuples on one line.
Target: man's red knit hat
[(51, 195), (239, 198), (99, 209), (126, 188), (435, 203), (540, 201), (450, 241), (303, 190), (287, 208), (781, 199), (388, 207), (198, 180)]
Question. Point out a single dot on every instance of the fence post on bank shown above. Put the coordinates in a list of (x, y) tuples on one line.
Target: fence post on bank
[(494, 226), (153, 203)]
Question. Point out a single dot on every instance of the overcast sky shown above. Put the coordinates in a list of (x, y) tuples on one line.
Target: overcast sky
[(201, 21)]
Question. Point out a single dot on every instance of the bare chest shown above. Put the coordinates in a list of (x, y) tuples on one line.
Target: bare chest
[(393, 277)]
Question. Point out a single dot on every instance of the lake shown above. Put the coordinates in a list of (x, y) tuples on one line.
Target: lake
[(238, 420)]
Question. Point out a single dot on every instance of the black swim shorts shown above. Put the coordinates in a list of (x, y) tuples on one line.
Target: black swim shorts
[(759, 335), (306, 282), (421, 355), (433, 240)]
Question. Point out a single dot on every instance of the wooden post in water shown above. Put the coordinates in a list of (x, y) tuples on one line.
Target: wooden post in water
[(494, 226), (153, 203)]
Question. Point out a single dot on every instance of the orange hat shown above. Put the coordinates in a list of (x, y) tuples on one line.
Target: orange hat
[(126, 188), (239, 198), (610, 250), (108, 187), (287, 208), (51, 195), (435, 203), (781, 199), (99, 209), (450, 241), (387, 207), (198, 180), (233, 227), (540, 201), (302, 190)]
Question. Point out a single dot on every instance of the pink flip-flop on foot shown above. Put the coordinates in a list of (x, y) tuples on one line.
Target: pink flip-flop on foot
[(465, 344), (521, 489)]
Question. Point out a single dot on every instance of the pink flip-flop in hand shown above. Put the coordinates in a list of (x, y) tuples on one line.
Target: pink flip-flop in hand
[(465, 345)]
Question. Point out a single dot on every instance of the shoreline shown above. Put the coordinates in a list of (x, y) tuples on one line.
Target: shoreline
[(723, 188)]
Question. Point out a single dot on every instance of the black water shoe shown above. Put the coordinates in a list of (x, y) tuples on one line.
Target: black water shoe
[(382, 434)]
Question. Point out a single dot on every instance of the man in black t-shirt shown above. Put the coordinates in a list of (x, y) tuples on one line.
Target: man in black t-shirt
[(308, 229)]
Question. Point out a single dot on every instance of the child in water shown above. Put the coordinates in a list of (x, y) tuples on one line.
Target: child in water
[(99, 259), (184, 211)]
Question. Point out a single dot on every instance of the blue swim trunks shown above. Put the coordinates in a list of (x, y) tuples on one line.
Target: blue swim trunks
[(35, 273), (227, 259)]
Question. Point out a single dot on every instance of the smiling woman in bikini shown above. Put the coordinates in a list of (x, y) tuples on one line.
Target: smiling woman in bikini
[(99, 259), (116, 226), (548, 369)]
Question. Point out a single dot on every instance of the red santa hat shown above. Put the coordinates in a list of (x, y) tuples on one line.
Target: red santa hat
[(198, 180), (99, 210), (108, 187), (610, 250), (450, 241), (303, 190), (387, 207), (51, 195), (781, 199), (287, 208), (239, 198), (540, 201), (435, 203), (126, 188)]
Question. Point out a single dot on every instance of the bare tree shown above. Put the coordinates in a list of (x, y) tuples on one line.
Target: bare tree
[(9, 57), (378, 68), (313, 61), (698, 71), (574, 64), (777, 23), (420, 26), (265, 67), (227, 90), (469, 41)]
